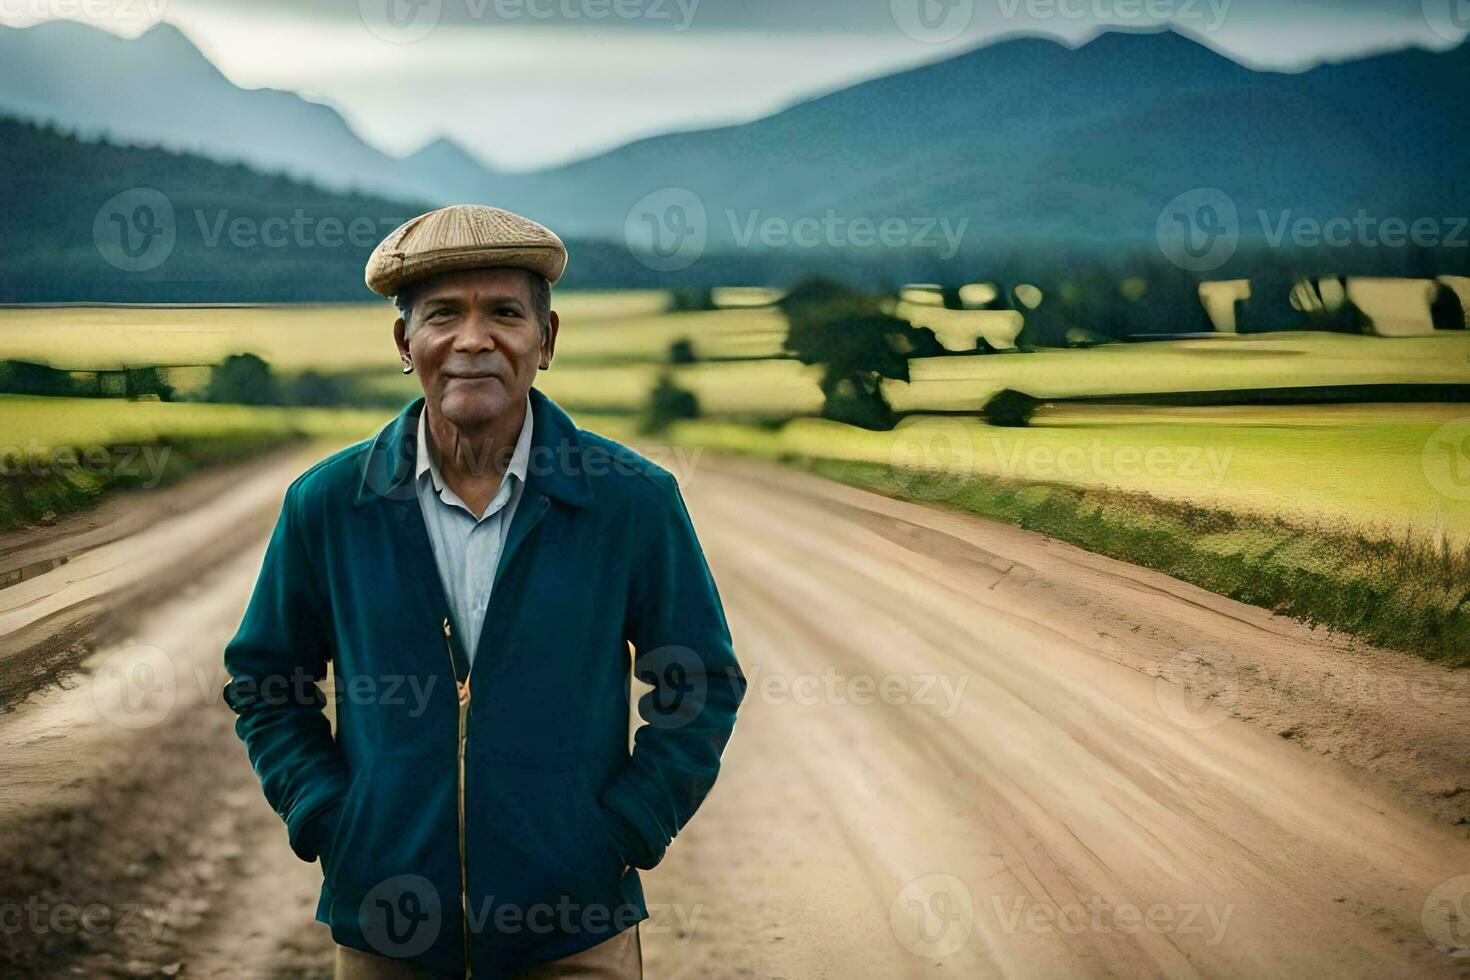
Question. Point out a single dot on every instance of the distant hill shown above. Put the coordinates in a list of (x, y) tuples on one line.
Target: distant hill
[(160, 89), (93, 221)]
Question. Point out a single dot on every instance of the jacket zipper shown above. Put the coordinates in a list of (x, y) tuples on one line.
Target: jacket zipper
[(462, 690)]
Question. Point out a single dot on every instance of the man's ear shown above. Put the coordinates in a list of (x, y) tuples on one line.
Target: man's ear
[(548, 342), (400, 337)]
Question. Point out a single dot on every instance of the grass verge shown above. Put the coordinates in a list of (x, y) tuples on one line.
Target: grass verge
[(28, 497), (1404, 593)]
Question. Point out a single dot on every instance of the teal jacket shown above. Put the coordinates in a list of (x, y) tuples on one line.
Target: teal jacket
[(484, 821)]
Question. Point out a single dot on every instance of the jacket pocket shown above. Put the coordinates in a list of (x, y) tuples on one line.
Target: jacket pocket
[(339, 843), (542, 861), (600, 820), (393, 872)]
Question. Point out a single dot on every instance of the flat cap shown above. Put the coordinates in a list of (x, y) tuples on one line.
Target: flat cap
[(463, 236)]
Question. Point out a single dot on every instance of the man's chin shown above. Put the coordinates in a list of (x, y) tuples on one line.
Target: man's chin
[(469, 403)]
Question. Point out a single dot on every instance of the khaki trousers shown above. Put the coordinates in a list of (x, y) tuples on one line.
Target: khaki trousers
[(617, 958)]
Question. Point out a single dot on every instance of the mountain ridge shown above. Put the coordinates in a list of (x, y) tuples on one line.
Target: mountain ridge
[(1024, 138)]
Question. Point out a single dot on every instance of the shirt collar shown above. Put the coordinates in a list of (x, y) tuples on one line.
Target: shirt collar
[(518, 459)]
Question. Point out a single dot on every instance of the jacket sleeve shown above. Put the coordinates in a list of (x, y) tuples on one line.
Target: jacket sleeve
[(682, 648), (275, 661)]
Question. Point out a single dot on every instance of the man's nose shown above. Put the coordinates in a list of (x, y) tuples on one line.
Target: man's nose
[(476, 332)]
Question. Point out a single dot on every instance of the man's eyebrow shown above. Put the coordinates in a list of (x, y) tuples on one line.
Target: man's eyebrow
[(455, 301)]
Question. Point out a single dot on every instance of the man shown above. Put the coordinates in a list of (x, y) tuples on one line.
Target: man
[(474, 575)]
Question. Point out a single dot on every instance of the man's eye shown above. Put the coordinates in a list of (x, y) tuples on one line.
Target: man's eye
[(438, 314), (509, 311)]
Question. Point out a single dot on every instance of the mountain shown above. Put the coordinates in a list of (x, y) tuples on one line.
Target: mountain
[(451, 171), (160, 89), (1032, 141), (1024, 143)]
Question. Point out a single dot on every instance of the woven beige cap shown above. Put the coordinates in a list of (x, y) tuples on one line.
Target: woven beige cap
[(463, 236)]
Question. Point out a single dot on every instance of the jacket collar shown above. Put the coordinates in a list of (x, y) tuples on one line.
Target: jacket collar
[(555, 466)]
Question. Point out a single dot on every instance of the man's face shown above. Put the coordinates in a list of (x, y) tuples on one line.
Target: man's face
[(476, 343)]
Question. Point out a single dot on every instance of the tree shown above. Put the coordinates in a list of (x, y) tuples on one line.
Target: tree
[(686, 298), (242, 379), (145, 381), (856, 345), (667, 403), (313, 388)]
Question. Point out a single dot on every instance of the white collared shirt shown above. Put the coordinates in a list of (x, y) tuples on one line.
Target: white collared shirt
[(467, 549)]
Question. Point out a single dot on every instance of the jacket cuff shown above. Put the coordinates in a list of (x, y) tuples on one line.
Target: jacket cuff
[(631, 848), (313, 834)]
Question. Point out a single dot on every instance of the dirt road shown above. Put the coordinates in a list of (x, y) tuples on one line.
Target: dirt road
[(967, 750)]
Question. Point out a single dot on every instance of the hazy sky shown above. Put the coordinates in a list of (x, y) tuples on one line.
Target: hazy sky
[(526, 83)]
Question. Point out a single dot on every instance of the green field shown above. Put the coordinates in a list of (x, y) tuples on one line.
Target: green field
[(1222, 363), (34, 427), (1361, 464), (596, 327)]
